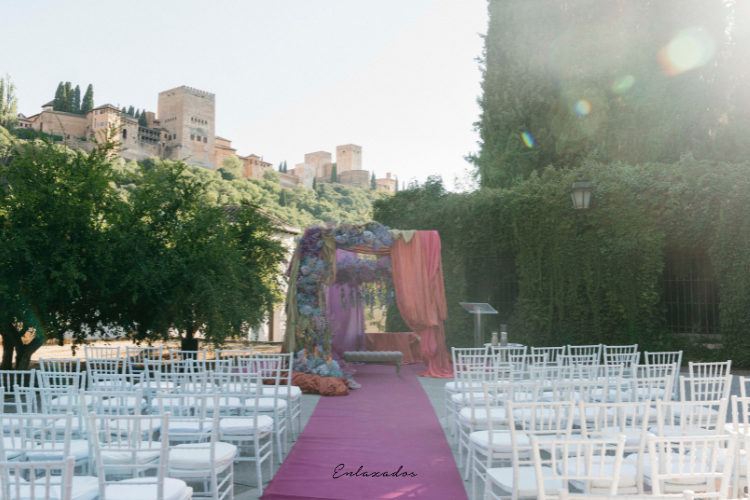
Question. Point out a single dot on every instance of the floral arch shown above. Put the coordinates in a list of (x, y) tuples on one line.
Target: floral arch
[(417, 274)]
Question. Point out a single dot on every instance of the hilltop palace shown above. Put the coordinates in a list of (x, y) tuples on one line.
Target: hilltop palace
[(185, 130)]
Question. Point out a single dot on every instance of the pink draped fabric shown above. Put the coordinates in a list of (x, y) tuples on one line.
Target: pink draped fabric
[(420, 295), (347, 322)]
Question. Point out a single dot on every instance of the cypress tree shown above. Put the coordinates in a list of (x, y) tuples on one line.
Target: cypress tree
[(282, 198), (334, 174), (57, 103), (315, 183), (142, 120), (397, 184), (131, 111), (137, 113), (281, 167), (286, 169), (88, 100), (77, 100), (124, 110), (373, 183), (68, 98)]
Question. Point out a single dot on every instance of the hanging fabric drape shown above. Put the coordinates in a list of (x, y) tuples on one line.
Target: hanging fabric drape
[(347, 320), (420, 295)]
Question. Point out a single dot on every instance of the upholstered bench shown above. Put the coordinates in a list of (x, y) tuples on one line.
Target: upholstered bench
[(375, 357)]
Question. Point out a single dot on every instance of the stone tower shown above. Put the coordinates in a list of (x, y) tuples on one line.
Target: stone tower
[(348, 157), (189, 114)]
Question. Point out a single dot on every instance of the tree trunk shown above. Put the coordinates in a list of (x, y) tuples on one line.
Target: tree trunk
[(7, 331), (189, 342), (24, 352)]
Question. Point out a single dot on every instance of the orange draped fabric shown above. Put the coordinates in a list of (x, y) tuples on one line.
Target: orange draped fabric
[(420, 295)]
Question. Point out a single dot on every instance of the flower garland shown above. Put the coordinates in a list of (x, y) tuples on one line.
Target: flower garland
[(313, 331)]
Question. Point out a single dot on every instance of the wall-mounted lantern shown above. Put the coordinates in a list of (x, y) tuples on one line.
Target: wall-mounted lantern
[(581, 193)]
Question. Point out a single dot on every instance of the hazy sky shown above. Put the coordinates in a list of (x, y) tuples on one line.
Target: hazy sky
[(397, 77)]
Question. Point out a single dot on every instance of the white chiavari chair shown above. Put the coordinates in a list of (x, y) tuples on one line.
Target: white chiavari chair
[(679, 463), (474, 418), (502, 354), (272, 401), (453, 386), (48, 480), (472, 373), (609, 420), (101, 352), (667, 358), (584, 465), (176, 355), (590, 391), (248, 431), (196, 455), (552, 353), (9, 379), (710, 370), (620, 354), (690, 418), (708, 390), (211, 365), (594, 352), (234, 355), (740, 426), (518, 478), (284, 364), (579, 359), (136, 357), (60, 373), (130, 466)]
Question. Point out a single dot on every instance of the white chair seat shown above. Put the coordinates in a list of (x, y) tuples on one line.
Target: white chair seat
[(677, 431), (708, 408), (628, 474), (675, 467), (48, 452), (174, 489), (503, 477), (500, 441), (8, 442), (631, 439), (455, 386), (267, 404), (225, 402), (114, 457), (152, 385), (296, 392), (245, 426), (63, 400), (76, 425), (84, 488), (498, 415), (107, 385), (192, 457), (463, 398), (185, 426)]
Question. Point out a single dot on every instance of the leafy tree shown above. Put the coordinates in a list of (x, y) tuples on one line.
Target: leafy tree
[(59, 102), (231, 168), (76, 100), (54, 252), (8, 103), (88, 100), (373, 183), (272, 175), (334, 174), (142, 121), (131, 111), (601, 90), (195, 266), (68, 106)]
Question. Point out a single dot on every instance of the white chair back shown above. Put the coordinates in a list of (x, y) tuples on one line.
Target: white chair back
[(586, 350), (585, 465), (691, 418), (710, 370), (552, 352), (663, 358), (234, 355), (177, 355), (621, 354), (693, 460), (43, 480), (136, 357), (9, 379), (100, 352), (705, 389), (502, 354)]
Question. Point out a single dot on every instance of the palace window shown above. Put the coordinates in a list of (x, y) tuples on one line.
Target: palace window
[(192, 137), (205, 139), (199, 138), (124, 134)]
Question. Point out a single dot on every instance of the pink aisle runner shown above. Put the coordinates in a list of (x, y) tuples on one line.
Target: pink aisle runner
[(388, 426)]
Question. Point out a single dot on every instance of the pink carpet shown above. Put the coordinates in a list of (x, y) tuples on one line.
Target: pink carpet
[(388, 426)]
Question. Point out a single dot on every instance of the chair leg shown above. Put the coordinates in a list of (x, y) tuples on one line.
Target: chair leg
[(469, 461)]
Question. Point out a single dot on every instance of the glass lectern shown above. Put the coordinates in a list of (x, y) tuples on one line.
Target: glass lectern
[(478, 310)]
